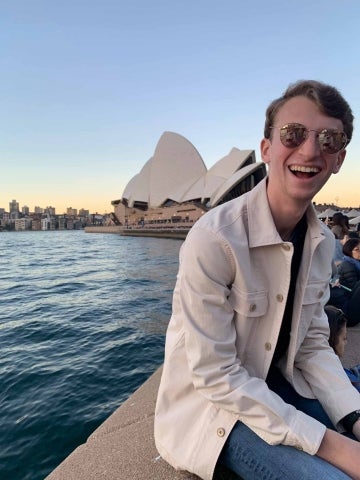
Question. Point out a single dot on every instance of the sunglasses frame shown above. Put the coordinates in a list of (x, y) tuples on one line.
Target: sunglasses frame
[(321, 135)]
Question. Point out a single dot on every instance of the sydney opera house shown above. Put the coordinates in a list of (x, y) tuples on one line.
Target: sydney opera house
[(174, 187)]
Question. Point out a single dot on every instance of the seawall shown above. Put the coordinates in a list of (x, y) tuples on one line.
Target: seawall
[(179, 233), (102, 229)]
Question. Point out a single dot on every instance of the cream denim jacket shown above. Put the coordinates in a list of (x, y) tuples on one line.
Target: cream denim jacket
[(228, 305)]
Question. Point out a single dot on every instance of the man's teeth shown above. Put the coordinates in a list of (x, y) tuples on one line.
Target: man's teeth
[(298, 168)]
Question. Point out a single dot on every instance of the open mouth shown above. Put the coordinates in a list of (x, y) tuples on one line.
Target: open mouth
[(304, 172)]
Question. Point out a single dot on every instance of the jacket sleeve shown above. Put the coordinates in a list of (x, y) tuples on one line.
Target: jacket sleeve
[(323, 371)]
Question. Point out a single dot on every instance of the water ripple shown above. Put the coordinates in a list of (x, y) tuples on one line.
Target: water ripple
[(82, 324)]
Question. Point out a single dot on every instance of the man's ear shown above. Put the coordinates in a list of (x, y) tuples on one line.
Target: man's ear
[(265, 147), (339, 161)]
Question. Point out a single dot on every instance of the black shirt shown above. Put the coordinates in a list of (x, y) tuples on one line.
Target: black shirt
[(297, 239)]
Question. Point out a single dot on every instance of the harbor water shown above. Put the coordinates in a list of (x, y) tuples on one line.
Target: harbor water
[(82, 326)]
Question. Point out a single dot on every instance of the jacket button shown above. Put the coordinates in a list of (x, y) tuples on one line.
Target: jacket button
[(286, 247), (252, 307), (221, 432), (279, 297), (268, 346), (320, 294), (299, 447)]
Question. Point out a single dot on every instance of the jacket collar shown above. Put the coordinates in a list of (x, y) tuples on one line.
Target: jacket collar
[(262, 230)]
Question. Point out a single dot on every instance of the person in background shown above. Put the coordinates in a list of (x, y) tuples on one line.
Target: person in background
[(339, 225), (341, 230), (338, 340), (349, 268), (249, 381), (338, 254), (345, 292)]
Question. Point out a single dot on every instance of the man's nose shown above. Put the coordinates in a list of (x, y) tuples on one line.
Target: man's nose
[(311, 146)]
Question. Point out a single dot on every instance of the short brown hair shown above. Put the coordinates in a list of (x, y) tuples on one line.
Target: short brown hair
[(328, 99)]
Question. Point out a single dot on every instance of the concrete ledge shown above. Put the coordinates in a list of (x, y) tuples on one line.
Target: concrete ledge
[(156, 233), (122, 448), (179, 233), (102, 229)]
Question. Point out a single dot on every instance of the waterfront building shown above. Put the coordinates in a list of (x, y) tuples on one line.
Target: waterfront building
[(53, 223), (36, 224), (42, 219), (70, 224), (175, 187), (45, 223), (22, 224), (62, 223)]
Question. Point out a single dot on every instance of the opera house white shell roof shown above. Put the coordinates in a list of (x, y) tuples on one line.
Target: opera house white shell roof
[(177, 173)]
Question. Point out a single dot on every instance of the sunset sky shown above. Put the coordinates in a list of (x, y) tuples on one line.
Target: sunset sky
[(87, 87)]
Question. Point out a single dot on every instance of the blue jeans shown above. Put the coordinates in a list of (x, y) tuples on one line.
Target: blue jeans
[(252, 458)]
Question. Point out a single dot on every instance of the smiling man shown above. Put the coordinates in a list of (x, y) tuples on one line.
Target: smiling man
[(250, 383)]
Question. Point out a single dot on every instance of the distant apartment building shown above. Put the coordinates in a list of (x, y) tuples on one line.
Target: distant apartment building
[(14, 206), (45, 224), (36, 224), (53, 223), (62, 223), (4, 218), (25, 210), (71, 211), (48, 223), (14, 210), (50, 211), (42, 218), (22, 224), (70, 224)]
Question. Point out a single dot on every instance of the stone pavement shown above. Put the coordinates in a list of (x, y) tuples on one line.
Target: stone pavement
[(123, 448), (352, 350)]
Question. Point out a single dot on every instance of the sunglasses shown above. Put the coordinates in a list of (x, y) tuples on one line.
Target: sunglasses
[(292, 135)]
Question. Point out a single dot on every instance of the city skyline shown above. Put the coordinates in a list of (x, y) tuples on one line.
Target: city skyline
[(40, 209), (336, 202), (89, 87)]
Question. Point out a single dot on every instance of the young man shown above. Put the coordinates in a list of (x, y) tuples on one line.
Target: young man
[(249, 380)]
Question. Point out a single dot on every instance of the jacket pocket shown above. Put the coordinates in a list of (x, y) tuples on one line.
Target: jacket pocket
[(314, 292), (249, 304)]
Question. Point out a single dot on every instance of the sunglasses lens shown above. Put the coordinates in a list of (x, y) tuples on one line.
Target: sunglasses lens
[(332, 141), (293, 135)]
